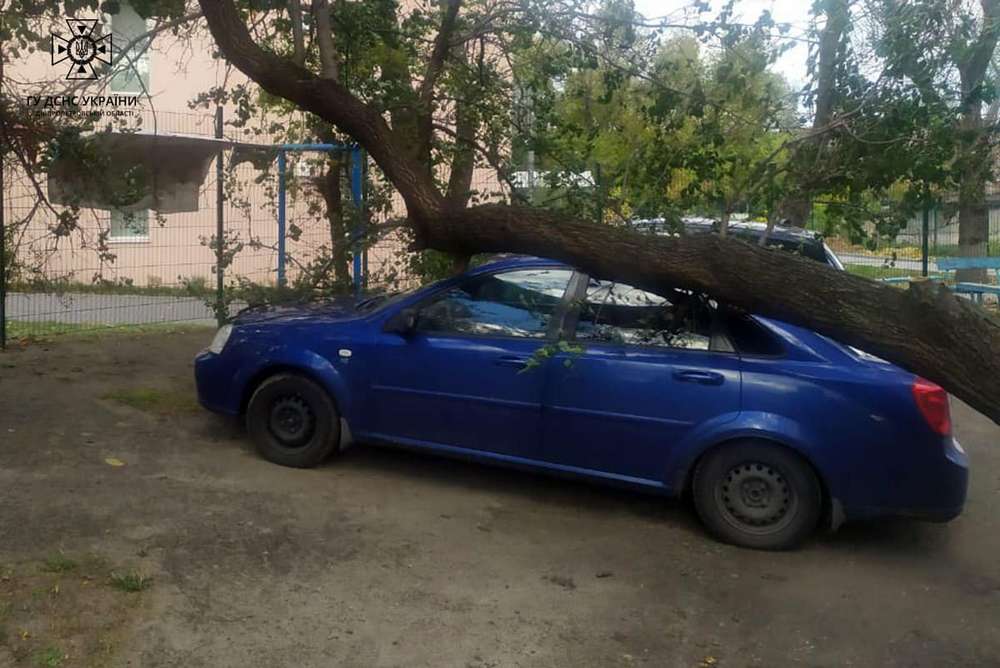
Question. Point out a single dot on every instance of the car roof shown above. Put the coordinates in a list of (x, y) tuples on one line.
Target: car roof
[(513, 261), (788, 236)]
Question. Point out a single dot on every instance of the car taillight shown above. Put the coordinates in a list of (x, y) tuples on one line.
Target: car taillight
[(932, 401)]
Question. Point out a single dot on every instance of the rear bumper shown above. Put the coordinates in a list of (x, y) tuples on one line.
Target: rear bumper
[(941, 496), (953, 487)]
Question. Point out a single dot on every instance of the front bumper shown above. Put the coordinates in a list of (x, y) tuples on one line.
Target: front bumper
[(214, 379)]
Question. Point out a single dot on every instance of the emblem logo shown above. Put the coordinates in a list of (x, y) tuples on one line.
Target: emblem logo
[(81, 49)]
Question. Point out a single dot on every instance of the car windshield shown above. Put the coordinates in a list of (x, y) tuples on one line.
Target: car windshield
[(381, 300)]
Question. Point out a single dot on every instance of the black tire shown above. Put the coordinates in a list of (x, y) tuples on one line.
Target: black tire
[(293, 421), (757, 495)]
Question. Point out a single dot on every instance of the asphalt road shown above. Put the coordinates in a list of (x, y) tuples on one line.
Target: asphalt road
[(882, 260), (107, 309)]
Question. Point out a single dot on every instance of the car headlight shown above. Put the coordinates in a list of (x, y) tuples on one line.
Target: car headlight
[(221, 337)]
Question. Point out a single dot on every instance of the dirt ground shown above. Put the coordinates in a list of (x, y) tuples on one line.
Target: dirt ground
[(385, 558)]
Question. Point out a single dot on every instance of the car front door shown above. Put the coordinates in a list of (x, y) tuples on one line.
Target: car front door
[(648, 371), (459, 378)]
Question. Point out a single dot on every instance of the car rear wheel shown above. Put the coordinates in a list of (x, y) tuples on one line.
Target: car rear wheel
[(293, 421), (757, 495)]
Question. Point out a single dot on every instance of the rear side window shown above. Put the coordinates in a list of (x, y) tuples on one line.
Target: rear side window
[(749, 337), (622, 314), (812, 249)]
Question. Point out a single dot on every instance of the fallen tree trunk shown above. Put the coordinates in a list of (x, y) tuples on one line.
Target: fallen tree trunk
[(924, 329)]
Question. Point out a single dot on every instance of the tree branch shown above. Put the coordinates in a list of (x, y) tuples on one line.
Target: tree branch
[(463, 164), (298, 39), (972, 69), (329, 100), (324, 38), (435, 66), (439, 54)]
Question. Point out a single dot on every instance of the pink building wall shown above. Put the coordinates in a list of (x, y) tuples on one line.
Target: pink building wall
[(176, 248)]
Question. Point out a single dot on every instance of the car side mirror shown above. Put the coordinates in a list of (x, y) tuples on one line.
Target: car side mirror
[(403, 323)]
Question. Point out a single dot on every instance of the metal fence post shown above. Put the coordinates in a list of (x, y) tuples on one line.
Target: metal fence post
[(220, 229), (356, 195), (3, 260), (281, 218), (364, 216), (3, 227), (924, 240)]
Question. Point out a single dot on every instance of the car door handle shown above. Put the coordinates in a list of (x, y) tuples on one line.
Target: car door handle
[(512, 361), (700, 377)]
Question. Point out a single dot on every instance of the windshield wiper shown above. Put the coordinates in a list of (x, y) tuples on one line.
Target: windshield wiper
[(368, 302)]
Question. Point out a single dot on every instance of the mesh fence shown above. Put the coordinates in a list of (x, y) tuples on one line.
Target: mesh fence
[(114, 268), (107, 268), (139, 268), (901, 255)]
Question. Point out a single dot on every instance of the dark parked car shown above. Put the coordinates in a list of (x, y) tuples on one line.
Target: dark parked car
[(772, 429), (796, 240)]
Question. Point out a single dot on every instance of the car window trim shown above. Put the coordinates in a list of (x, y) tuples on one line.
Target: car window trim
[(557, 325), (782, 354)]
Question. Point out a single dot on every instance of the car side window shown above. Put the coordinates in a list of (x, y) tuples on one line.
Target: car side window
[(513, 303), (622, 314)]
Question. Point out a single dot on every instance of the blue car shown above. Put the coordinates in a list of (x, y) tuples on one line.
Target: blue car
[(772, 430)]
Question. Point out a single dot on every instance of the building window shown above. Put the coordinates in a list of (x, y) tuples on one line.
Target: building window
[(129, 225), (131, 68)]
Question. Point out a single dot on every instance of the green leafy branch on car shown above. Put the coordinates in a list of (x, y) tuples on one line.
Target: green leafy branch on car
[(548, 350)]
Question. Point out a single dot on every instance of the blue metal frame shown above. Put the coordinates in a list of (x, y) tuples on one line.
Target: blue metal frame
[(357, 196), (281, 218), (978, 262)]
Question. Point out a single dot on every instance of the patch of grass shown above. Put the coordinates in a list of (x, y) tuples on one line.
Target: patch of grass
[(131, 581), (50, 657), (59, 563), (193, 286), (876, 272), (20, 329), (41, 330), (53, 615), (152, 400)]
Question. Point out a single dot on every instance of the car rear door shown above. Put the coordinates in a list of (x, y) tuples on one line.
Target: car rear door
[(460, 378), (648, 371)]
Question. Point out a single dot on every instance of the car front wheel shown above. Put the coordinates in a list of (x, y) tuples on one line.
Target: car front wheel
[(293, 421), (757, 495)]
